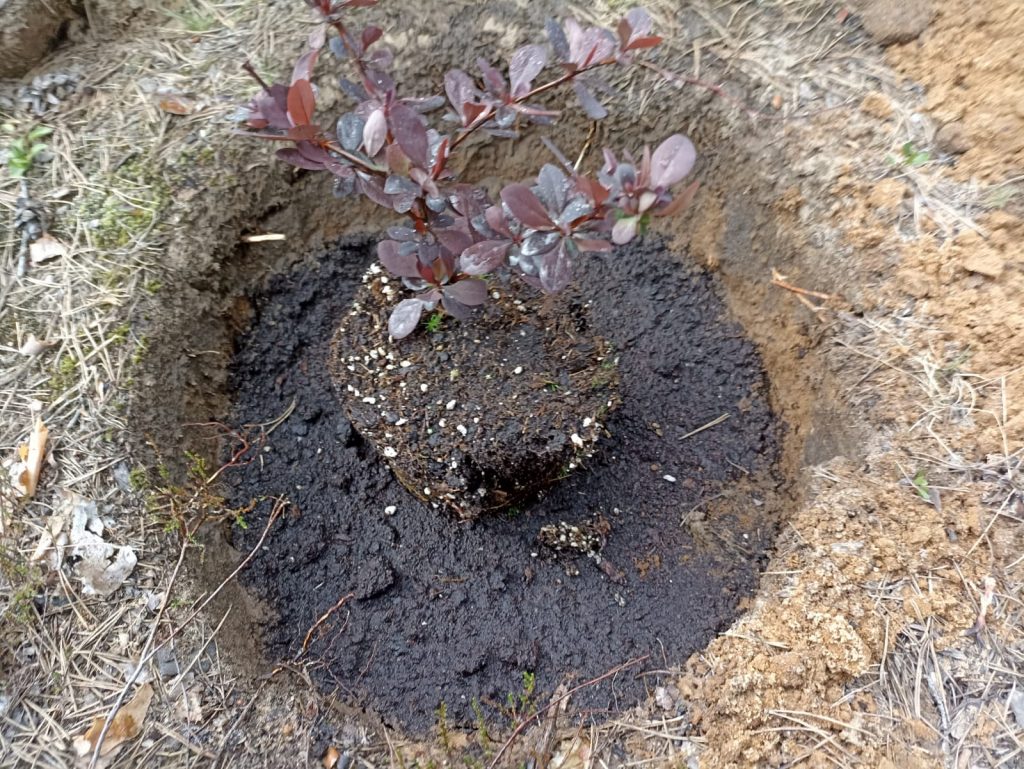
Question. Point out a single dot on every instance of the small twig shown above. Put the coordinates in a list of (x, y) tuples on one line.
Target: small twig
[(716, 421), (527, 721), (780, 280), (323, 618)]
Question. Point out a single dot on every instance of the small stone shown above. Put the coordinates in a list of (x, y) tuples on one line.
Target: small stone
[(423, 388), (390, 510), (517, 370), (669, 478), (462, 429), (576, 440), (888, 22), (984, 261), (390, 452), (952, 138), (450, 405)]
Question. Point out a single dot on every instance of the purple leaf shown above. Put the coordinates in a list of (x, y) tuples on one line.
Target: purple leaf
[(373, 188), (558, 41), (375, 132), (525, 65), (493, 79), (389, 252), (594, 109), (459, 88), (370, 36), (409, 132), (424, 103), (495, 218), (587, 46), (404, 318), (672, 161), (552, 187), (593, 245), (456, 241), (484, 257), (350, 131), (556, 269), (303, 69), (293, 157), (270, 108), (625, 229), (468, 292), (639, 22), (525, 206)]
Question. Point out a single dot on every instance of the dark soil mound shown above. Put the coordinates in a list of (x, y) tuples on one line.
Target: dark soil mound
[(482, 414), (599, 571)]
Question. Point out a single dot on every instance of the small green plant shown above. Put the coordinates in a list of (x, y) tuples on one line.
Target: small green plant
[(914, 157), (481, 726), (23, 151), (442, 727), (138, 478), (519, 705), (921, 485), (434, 323)]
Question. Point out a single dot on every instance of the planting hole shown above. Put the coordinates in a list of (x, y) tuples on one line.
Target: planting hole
[(645, 551)]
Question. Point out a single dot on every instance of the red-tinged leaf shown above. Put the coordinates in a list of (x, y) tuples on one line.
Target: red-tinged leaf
[(625, 31), (526, 63), (555, 269), (484, 257), (470, 292), (455, 241), (645, 42), (525, 206), (672, 161), (594, 190), (625, 230), (370, 36), (293, 157), (404, 318), (427, 271), (410, 133), (680, 202), (471, 112), (375, 132), (301, 133), (593, 245), (594, 109), (442, 156), (389, 252), (301, 103)]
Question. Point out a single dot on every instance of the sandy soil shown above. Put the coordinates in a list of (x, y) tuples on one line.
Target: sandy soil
[(829, 165)]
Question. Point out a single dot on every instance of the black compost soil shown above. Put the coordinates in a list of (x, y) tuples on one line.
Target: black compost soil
[(447, 611)]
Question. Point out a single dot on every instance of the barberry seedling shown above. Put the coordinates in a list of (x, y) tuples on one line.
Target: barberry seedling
[(387, 150)]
